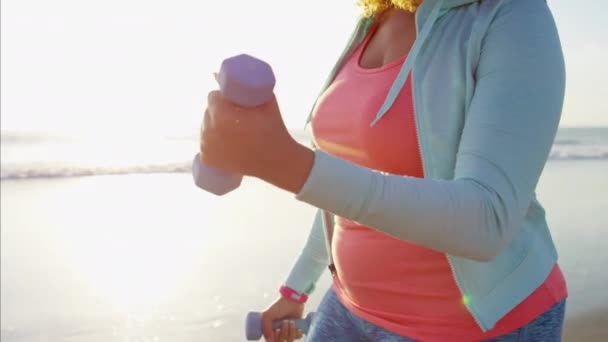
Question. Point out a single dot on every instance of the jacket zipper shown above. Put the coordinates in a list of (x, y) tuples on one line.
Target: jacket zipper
[(418, 140)]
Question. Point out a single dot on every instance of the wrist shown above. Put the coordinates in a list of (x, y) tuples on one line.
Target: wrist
[(292, 295), (291, 167)]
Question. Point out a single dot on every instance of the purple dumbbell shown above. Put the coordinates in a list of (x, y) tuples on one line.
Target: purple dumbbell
[(247, 82), (253, 326)]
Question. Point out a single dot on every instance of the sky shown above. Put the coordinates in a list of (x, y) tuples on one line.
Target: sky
[(125, 67)]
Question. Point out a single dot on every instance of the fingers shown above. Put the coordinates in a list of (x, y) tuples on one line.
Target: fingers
[(215, 104), (214, 98), (206, 122), (281, 335), (288, 332), (214, 124), (218, 114), (205, 133), (267, 329), (222, 111), (293, 331)]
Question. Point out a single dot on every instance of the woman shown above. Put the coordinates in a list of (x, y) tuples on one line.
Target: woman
[(430, 137)]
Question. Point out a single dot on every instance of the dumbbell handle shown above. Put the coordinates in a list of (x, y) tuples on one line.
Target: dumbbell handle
[(253, 325)]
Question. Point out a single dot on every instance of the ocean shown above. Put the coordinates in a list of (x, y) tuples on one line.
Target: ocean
[(113, 242), (26, 156)]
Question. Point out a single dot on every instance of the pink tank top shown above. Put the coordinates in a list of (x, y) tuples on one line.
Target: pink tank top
[(405, 288)]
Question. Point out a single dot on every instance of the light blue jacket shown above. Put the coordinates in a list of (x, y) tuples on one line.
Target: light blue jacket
[(488, 80)]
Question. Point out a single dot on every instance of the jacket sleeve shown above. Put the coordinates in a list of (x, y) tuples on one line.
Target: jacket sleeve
[(312, 261), (505, 142)]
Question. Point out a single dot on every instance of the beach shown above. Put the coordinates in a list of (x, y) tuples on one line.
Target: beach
[(149, 257), (104, 236)]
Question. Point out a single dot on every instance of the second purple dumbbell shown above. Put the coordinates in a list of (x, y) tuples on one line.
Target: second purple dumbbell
[(247, 82), (253, 325)]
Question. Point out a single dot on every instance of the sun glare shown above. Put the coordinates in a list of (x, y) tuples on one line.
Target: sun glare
[(137, 258)]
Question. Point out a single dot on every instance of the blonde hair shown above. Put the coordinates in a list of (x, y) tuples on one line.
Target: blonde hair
[(373, 7)]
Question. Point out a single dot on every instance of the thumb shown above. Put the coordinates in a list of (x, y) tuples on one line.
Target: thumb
[(272, 107)]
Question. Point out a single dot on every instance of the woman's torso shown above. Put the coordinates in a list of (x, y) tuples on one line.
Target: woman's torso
[(391, 282)]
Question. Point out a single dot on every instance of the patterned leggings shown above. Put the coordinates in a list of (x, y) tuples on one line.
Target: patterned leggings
[(335, 323)]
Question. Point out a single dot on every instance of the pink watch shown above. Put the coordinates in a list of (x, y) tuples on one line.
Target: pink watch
[(291, 294)]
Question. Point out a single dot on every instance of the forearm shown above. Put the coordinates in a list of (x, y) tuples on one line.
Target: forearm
[(455, 217), (290, 170)]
